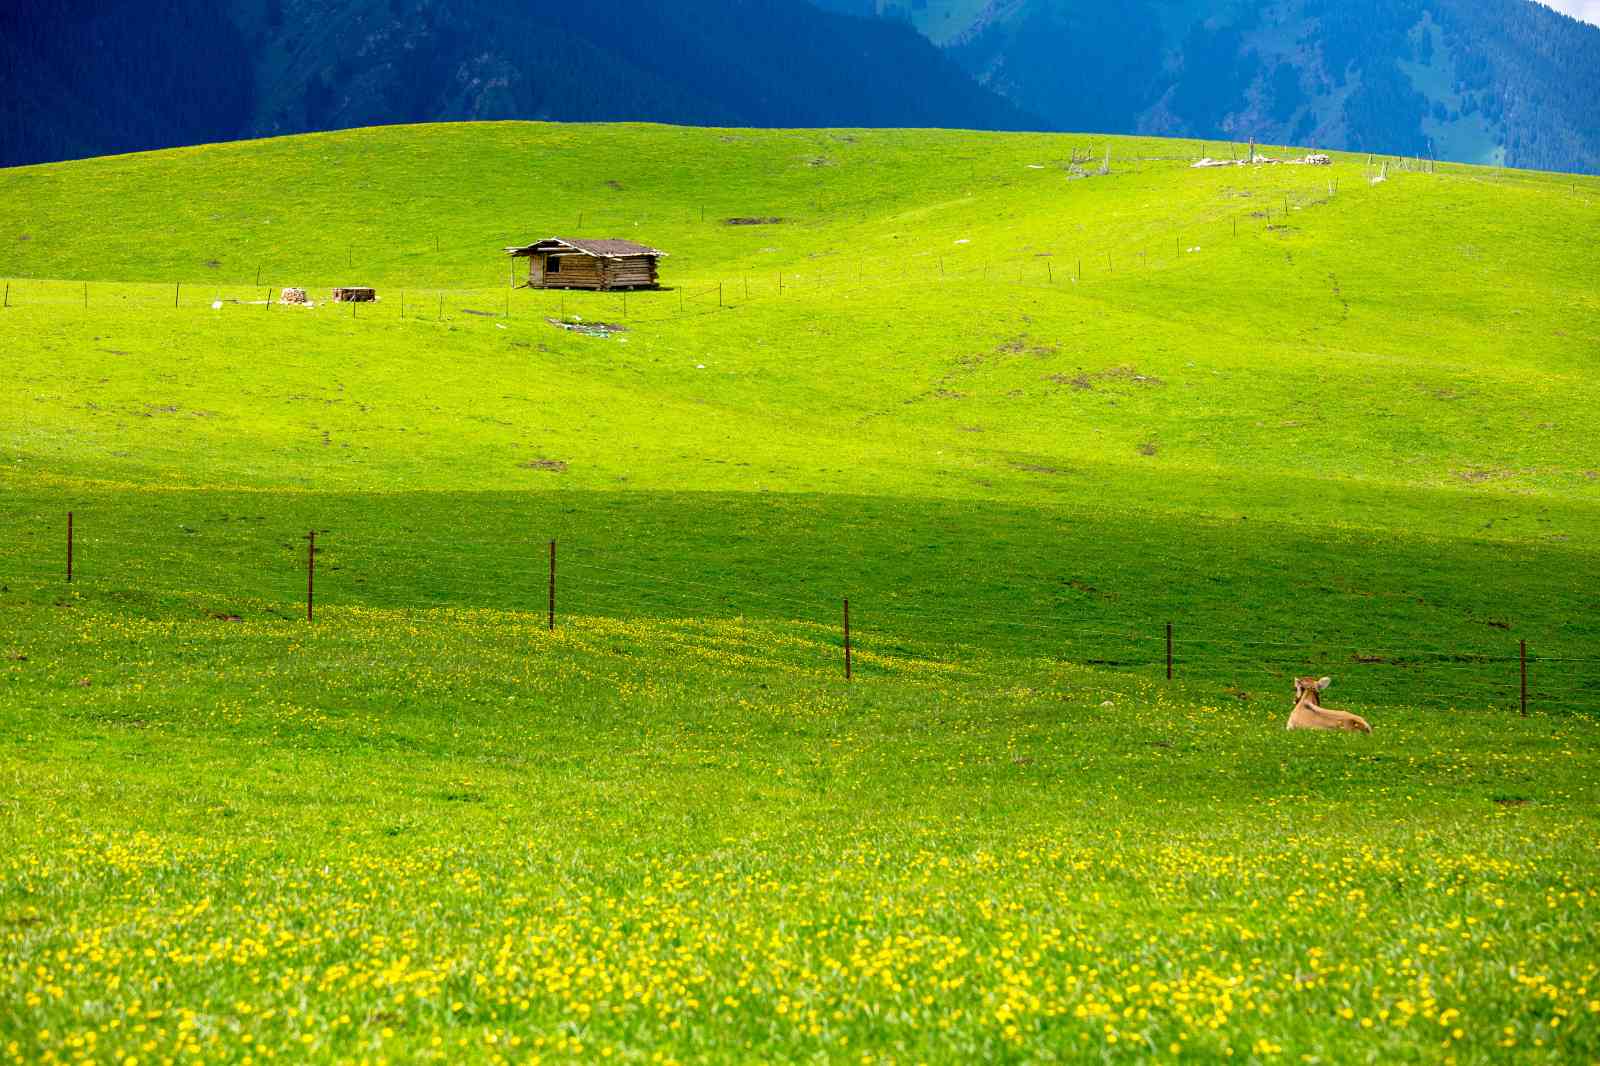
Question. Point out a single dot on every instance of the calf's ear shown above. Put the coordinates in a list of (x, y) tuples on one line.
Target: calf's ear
[(1324, 683)]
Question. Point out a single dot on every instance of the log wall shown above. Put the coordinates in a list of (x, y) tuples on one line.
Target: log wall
[(588, 272)]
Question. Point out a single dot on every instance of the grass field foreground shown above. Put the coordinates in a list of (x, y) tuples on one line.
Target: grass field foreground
[(1021, 413)]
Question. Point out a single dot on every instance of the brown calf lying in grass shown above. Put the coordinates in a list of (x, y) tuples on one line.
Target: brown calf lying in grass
[(1309, 713)]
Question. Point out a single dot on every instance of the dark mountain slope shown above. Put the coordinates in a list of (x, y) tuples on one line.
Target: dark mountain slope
[(1486, 81), (82, 82), (103, 76)]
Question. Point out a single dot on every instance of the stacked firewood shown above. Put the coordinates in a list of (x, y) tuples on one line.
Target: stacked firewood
[(293, 296)]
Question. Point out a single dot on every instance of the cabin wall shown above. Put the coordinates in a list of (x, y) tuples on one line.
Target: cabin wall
[(632, 272), (577, 272), (589, 272)]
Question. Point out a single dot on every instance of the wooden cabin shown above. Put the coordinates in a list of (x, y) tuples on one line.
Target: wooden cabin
[(573, 263)]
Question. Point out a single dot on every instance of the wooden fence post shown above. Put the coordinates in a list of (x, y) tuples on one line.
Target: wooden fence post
[(69, 547), (552, 586), (311, 571), (1169, 651), (847, 638), (1524, 649)]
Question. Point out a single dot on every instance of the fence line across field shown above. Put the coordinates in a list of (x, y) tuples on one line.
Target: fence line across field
[(908, 612), (690, 594)]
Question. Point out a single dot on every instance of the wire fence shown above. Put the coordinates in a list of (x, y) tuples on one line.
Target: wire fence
[(291, 577)]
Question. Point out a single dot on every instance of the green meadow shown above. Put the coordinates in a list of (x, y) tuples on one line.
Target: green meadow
[(1023, 414)]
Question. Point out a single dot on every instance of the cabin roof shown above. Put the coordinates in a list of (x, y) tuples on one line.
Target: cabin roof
[(602, 248)]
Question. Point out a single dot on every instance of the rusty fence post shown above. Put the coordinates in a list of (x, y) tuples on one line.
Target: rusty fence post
[(552, 586), (847, 671), (311, 571)]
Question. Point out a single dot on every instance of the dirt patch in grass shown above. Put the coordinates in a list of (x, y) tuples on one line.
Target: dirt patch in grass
[(1020, 345), (1149, 447), (555, 466), (1083, 381), (752, 220), (1479, 476)]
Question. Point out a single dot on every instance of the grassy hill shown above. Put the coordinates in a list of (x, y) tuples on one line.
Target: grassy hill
[(1022, 413)]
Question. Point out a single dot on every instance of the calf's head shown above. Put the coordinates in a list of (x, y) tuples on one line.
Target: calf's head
[(1312, 685)]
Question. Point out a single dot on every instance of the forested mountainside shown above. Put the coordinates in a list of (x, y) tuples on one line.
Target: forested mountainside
[(1487, 81), (102, 76), (1483, 81), (108, 76)]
